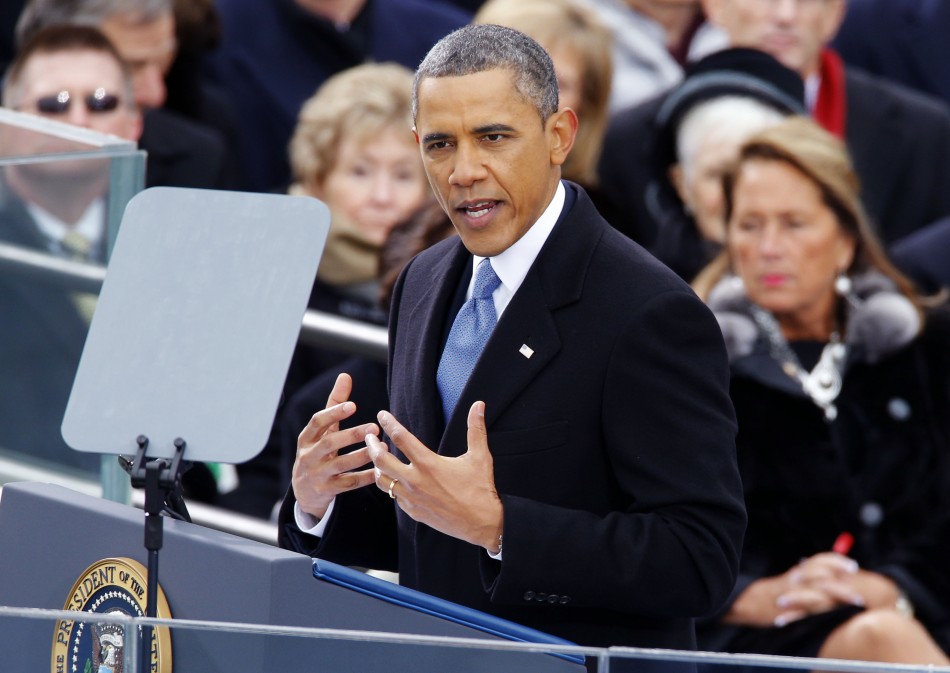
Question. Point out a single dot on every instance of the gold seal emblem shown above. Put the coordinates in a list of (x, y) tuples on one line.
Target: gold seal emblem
[(112, 586)]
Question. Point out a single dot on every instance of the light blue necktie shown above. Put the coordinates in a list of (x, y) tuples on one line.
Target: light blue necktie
[(469, 334)]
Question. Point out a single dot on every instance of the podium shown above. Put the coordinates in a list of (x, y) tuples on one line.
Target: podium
[(49, 535)]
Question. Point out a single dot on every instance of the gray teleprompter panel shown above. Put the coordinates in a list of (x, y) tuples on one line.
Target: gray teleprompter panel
[(49, 535), (196, 323)]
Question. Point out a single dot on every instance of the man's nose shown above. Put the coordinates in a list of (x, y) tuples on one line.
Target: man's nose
[(468, 167), (78, 115), (785, 9)]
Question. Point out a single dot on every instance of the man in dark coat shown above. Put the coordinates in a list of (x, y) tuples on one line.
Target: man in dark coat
[(902, 40), (899, 139), (585, 482)]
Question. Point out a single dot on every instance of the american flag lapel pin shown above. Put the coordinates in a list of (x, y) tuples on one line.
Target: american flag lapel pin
[(526, 350)]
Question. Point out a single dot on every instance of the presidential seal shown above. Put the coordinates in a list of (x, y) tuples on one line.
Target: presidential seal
[(112, 586)]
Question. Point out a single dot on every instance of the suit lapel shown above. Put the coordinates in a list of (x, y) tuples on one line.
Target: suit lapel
[(427, 316), (523, 343)]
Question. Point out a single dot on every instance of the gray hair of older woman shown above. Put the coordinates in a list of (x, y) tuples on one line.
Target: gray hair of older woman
[(357, 103), (732, 118)]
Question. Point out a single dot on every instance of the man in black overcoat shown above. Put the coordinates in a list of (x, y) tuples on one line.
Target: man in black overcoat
[(585, 481)]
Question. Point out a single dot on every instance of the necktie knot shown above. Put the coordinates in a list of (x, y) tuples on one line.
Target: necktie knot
[(77, 245), (486, 280)]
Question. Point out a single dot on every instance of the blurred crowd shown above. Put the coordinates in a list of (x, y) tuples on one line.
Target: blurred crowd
[(788, 158)]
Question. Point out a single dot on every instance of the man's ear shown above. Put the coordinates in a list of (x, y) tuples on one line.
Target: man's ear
[(562, 130), (415, 134)]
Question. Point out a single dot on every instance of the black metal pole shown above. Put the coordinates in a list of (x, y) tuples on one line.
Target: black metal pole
[(154, 503)]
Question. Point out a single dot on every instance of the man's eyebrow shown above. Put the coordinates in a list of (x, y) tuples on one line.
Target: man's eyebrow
[(493, 128), (434, 137), (478, 131)]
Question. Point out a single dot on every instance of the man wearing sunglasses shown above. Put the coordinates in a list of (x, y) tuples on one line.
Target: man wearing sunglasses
[(182, 151), (68, 74), (74, 75)]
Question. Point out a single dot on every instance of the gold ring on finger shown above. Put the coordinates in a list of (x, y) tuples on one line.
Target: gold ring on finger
[(392, 485)]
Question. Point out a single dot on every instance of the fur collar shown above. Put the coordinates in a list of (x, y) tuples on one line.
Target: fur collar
[(879, 322)]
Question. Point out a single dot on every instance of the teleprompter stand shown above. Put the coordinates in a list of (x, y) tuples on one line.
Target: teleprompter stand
[(161, 480), (192, 337)]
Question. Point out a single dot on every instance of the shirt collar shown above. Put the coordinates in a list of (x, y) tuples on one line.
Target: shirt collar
[(513, 264), (812, 85), (90, 224)]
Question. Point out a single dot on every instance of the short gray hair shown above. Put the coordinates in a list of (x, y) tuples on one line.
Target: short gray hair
[(481, 47), (38, 14)]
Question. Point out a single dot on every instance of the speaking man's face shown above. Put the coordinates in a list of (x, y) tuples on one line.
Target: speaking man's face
[(492, 163)]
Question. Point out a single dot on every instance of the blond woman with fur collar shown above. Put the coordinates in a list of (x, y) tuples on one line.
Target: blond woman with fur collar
[(841, 383)]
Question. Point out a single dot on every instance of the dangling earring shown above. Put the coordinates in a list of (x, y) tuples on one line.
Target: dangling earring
[(736, 283), (845, 289), (843, 284)]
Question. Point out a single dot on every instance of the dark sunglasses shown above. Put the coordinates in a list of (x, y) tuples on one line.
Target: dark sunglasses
[(58, 103)]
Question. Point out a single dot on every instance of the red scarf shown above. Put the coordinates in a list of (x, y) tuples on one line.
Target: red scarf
[(831, 108)]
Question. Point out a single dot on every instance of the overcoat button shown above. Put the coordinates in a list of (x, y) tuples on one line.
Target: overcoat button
[(899, 409), (871, 514)]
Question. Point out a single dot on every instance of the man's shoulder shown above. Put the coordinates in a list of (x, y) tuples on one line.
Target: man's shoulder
[(168, 132), (181, 152), (614, 263), (868, 93), (632, 270)]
